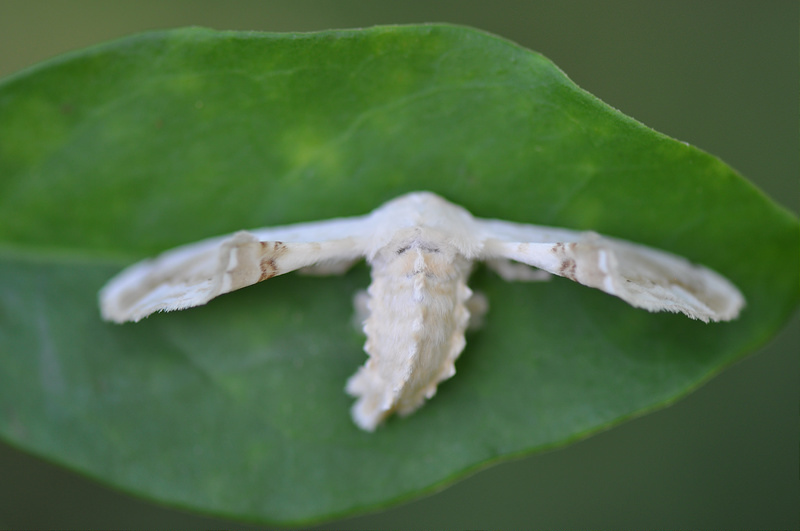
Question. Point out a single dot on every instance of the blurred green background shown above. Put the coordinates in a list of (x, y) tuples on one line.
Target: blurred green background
[(721, 75)]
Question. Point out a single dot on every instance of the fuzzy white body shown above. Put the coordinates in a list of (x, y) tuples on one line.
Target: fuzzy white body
[(415, 329), (421, 249)]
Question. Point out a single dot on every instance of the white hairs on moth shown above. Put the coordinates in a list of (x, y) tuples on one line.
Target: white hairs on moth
[(421, 249)]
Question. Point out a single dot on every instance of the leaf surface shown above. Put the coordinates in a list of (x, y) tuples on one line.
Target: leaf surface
[(237, 408)]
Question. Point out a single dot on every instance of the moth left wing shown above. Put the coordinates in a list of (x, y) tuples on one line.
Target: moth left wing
[(641, 276), (194, 274)]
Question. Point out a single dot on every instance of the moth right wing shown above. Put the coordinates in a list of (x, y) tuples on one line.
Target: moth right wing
[(192, 275), (641, 276)]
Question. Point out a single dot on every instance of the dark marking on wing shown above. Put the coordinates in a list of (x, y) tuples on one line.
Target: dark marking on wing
[(269, 266), (568, 267)]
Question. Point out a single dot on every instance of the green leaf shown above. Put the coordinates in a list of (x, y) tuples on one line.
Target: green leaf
[(237, 408)]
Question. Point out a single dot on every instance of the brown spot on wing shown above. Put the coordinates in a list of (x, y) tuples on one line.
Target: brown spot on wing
[(268, 269), (271, 251), (568, 266), (561, 248), (567, 269)]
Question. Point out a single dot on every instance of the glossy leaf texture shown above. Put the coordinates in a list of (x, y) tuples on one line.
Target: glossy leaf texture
[(237, 408)]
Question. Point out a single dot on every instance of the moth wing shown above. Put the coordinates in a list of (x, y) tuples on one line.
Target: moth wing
[(192, 275), (641, 276)]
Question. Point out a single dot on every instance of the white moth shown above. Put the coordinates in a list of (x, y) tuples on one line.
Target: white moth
[(421, 249)]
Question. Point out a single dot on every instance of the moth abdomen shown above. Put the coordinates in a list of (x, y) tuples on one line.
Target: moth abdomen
[(415, 332)]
